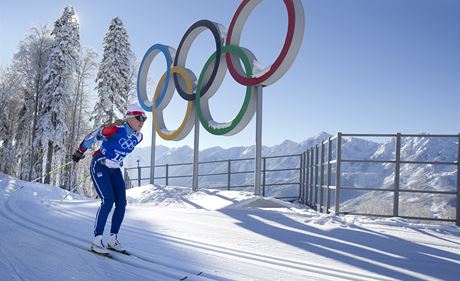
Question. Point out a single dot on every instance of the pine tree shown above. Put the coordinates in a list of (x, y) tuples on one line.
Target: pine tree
[(114, 75), (58, 81)]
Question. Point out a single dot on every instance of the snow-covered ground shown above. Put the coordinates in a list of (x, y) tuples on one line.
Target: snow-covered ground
[(213, 235)]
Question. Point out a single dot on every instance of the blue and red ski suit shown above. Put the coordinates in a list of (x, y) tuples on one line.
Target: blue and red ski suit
[(117, 142)]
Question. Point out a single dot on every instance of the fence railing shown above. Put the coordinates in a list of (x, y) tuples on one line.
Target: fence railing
[(323, 175), (318, 178), (230, 174)]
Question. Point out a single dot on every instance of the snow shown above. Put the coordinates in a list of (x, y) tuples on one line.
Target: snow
[(219, 125), (213, 235)]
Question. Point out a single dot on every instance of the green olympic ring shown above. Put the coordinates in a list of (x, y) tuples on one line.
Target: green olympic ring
[(247, 110)]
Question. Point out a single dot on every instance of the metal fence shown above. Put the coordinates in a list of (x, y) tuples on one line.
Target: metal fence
[(322, 177), (318, 178), (231, 174)]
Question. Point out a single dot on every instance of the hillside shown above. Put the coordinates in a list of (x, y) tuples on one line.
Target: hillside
[(213, 235)]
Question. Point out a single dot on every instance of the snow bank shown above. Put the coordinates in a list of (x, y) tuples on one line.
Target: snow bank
[(210, 199)]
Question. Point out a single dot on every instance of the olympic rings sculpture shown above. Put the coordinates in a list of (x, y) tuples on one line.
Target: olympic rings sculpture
[(197, 92)]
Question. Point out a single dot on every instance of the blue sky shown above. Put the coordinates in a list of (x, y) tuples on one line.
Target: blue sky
[(365, 66)]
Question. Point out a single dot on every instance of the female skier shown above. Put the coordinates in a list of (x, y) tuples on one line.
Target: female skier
[(117, 142)]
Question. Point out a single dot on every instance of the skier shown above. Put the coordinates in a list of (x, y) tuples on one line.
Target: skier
[(117, 142)]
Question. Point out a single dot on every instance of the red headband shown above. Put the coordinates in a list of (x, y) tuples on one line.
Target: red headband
[(134, 113)]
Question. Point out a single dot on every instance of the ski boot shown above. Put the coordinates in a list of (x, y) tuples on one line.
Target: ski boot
[(98, 246), (115, 245)]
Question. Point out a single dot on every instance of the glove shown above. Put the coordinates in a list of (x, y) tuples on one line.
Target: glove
[(77, 156)]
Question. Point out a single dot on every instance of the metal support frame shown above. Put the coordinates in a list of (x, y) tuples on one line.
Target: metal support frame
[(196, 152), (258, 156), (152, 154)]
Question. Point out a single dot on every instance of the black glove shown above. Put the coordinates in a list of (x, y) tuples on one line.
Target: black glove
[(77, 156)]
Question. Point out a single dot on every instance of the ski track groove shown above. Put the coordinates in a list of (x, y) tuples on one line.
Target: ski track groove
[(256, 259), (118, 257), (96, 269), (145, 258), (12, 256)]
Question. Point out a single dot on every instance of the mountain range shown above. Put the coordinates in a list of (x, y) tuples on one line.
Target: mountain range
[(362, 175)]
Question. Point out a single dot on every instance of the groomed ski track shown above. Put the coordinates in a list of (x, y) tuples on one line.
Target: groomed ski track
[(154, 266), (194, 243), (156, 271)]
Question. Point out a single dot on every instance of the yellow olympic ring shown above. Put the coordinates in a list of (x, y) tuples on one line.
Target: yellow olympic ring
[(189, 118)]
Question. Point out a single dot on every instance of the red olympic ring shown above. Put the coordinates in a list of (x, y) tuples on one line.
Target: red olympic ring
[(296, 23)]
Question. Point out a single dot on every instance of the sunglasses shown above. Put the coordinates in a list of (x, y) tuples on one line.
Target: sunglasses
[(140, 118)]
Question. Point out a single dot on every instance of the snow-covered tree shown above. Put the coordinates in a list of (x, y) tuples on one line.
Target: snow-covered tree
[(78, 123), (132, 80), (30, 64), (58, 81), (86, 65), (113, 78), (9, 108)]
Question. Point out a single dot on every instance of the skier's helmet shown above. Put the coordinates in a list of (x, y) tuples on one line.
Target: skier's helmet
[(134, 110)]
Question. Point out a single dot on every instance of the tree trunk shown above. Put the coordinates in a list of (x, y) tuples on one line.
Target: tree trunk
[(35, 115), (49, 160), (32, 139)]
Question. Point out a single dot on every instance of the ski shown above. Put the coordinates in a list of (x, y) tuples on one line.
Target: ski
[(108, 255), (185, 277), (121, 252), (114, 255)]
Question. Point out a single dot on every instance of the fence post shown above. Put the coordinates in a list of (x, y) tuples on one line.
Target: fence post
[(125, 173), (316, 175), (229, 173), (329, 177), (301, 178), (397, 171), (338, 152), (307, 175), (457, 219), (321, 180), (263, 176), (312, 161), (138, 174), (167, 174)]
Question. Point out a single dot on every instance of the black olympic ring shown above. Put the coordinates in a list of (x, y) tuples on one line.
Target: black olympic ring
[(181, 57)]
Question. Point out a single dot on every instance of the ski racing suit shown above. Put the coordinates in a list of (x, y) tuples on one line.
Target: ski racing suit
[(117, 142)]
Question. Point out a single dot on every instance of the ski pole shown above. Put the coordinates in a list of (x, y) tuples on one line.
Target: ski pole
[(73, 189), (48, 173)]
